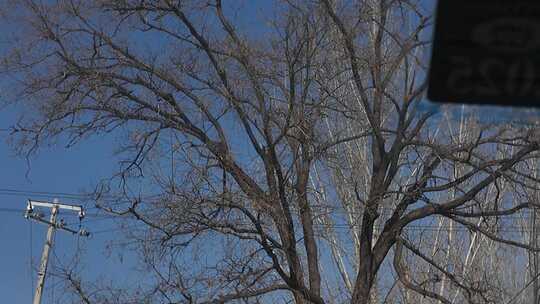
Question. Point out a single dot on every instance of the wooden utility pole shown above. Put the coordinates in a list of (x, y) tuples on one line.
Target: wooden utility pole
[(55, 206), (45, 256)]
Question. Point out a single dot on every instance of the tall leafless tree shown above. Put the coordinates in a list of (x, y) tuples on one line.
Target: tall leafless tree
[(290, 155)]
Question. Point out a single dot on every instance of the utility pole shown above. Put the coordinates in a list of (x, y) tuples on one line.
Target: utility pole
[(53, 224)]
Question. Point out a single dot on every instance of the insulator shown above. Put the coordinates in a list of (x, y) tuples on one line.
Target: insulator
[(83, 232)]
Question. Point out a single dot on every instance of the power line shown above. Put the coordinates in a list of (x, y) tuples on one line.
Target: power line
[(418, 227), (94, 220), (336, 209), (116, 200), (17, 192), (11, 210), (104, 217), (92, 196)]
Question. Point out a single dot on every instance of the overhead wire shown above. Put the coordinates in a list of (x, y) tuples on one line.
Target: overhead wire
[(67, 195), (43, 195), (90, 196), (49, 193), (410, 228), (95, 217), (417, 227), (104, 217), (11, 210), (333, 209)]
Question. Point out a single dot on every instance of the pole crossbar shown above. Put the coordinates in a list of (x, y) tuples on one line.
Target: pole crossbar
[(53, 225)]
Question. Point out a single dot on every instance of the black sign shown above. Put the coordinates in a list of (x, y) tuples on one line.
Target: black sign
[(486, 52)]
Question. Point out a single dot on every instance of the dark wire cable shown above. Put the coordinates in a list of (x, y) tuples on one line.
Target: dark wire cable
[(21, 192), (74, 196), (51, 193), (11, 210)]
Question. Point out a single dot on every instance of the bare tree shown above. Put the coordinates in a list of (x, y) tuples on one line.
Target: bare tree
[(281, 152)]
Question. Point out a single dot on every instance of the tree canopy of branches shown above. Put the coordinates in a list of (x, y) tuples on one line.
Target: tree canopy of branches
[(285, 146)]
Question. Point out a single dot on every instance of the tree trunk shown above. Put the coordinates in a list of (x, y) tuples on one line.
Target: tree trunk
[(362, 290), (364, 279)]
